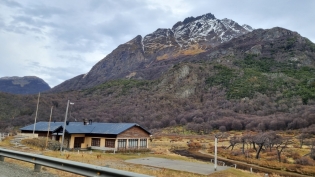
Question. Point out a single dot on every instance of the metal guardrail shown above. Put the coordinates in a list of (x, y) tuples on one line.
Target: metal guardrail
[(65, 165)]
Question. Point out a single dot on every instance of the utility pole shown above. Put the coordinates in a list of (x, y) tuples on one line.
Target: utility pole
[(49, 125), (215, 153), (64, 126), (36, 114)]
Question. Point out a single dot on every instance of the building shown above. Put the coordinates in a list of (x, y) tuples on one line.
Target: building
[(83, 135)]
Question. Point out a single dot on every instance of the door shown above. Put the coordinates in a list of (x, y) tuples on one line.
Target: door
[(78, 141)]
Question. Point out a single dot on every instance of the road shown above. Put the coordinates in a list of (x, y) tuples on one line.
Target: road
[(13, 170), (193, 167)]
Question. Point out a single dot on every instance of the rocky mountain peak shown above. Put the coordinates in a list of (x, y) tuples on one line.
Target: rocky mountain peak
[(207, 16), (189, 37), (208, 31)]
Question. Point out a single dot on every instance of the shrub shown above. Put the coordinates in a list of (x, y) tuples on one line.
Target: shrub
[(236, 153), (294, 155), (304, 161), (193, 144), (41, 143)]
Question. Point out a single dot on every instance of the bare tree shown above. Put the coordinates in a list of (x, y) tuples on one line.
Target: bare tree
[(311, 143), (304, 135), (260, 139), (280, 144), (244, 140), (273, 138), (233, 141)]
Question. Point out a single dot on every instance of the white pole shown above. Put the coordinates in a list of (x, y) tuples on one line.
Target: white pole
[(64, 127), (49, 125), (36, 114), (215, 153)]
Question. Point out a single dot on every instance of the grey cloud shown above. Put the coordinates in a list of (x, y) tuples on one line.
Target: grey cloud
[(11, 3), (43, 11), (54, 75), (22, 29)]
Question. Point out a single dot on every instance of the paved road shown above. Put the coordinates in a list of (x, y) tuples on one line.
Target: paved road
[(193, 167), (13, 170)]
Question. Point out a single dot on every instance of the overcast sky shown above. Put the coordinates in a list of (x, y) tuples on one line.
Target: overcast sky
[(60, 39)]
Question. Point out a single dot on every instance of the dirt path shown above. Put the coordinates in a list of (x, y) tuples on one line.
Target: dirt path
[(200, 155)]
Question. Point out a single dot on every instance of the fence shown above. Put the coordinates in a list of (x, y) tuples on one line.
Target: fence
[(65, 165), (3, 135)]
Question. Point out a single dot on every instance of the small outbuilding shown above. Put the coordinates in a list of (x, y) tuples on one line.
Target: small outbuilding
[(94, 135)]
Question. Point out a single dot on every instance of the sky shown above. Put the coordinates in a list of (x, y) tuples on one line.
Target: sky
[(58, 40)]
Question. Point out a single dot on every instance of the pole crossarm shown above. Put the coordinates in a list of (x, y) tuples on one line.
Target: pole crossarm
[(66, 165)]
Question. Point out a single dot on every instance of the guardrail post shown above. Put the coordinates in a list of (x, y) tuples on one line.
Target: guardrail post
[(235, 166), (251, 170), (1, 158), (37, 167)]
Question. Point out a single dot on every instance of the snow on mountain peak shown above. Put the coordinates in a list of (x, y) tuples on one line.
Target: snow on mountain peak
[(248, 28), (207, 30)]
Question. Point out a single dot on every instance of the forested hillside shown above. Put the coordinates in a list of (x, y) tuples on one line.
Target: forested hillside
[(256, 93)]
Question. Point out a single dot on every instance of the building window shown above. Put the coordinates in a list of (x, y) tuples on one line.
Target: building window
[(78, 141), (133, 143), (110, 143), (96, 142), (122, 144), (143, 143)]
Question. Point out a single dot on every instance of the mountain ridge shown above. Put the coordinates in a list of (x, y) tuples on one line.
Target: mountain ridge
[(191, 36), (23, 85)]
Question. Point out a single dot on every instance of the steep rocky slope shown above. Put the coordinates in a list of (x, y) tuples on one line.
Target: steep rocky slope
[(138, 57), (23, 85)]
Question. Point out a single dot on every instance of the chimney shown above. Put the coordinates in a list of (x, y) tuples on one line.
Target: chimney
[(90, 121), (85, 122)]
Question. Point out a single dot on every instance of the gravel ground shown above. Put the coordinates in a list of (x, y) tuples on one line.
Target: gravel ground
[(13, 170), (194, 167)]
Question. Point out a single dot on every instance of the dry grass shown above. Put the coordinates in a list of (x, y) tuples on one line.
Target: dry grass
[(237, 173), (161, 146)]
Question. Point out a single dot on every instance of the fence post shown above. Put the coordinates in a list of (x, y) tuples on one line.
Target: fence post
[(37, 167), (235, 166), (251, 170)]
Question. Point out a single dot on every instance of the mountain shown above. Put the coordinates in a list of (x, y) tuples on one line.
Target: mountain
[(23, 85), (261, 80), (143, 57)]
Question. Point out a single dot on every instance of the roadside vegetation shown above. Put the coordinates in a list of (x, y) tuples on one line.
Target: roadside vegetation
[(160, 147)]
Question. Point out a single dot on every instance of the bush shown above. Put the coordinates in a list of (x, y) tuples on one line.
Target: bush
[(236, 153), (304, 161), (41, 143), (193, 144)]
